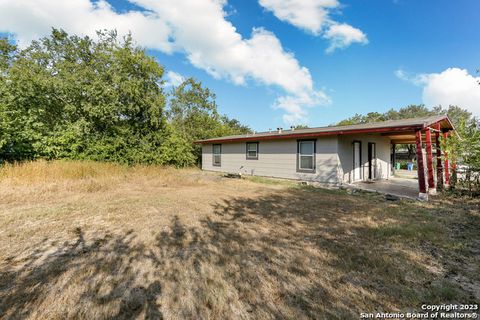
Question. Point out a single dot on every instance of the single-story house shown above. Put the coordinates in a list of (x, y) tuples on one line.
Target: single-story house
[(333, 155)]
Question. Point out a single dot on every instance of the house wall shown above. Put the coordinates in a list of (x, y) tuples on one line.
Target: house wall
[(345, 153), (277, 158)]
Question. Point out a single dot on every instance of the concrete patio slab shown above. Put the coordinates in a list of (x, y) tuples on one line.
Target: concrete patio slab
[(401, 187)]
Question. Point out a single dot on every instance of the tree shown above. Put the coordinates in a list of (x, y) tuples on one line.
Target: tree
[(7, 52), (455, 114), (300, 126), (100, 99), (410, 111), (72, 97), (193, 113), (193, 110), (463, 148)]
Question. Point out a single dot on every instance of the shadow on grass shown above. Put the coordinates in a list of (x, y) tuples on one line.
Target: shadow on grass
[(298, 253), (100, 262)]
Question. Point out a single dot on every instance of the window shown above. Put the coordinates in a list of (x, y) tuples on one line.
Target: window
[(252, 150), (217, 155), (306, 156)]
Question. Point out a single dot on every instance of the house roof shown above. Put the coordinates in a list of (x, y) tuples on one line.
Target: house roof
[(406, 126)]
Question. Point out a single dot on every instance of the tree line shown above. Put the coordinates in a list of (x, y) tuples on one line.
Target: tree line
[(456, 114), (71, 97)]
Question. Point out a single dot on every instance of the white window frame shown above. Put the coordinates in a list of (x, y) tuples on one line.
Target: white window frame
[(248, 151), (312, 155), (219, 155)]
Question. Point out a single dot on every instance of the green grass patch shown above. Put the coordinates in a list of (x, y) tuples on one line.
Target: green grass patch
[(413, 231), (271, 181)]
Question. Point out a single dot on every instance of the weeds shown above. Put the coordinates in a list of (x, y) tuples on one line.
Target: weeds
[(93, 240)]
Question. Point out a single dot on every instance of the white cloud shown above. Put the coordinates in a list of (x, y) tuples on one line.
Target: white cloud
[(401, 74), (309, 15), (452, 86), (32, 19), (174, 79), (343, 35), (416, 79), (314, 16), (292, 105), (197, 28)]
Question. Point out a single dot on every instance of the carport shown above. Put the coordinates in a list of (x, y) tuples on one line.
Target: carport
[(426, 134)]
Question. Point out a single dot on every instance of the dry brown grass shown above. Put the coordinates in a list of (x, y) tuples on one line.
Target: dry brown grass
[(89, 240)]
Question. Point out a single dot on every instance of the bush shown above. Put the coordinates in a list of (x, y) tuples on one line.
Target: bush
[(67, 97), (464, 152)]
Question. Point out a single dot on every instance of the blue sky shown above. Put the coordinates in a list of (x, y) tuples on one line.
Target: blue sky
[(399, 52)]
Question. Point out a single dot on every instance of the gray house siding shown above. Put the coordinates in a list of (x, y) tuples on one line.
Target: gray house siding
[(345, 147), (277, 158)]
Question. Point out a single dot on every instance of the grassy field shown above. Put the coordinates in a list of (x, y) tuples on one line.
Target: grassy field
[(90, 240)]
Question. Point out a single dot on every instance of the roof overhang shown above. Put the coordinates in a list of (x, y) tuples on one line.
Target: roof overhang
[(408, 136), (309, 135), (398, 134)]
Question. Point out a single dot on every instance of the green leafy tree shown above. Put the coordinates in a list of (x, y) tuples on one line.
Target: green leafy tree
[(193, 110), (455, 113), (7, 53), (72, 97), (358, 118), (177, 150), (463, 148), (193, 113), (100, 99), (300, 126), (410, 111), (233, 126)]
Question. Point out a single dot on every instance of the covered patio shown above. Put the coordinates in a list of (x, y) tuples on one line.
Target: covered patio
[(433, 167)]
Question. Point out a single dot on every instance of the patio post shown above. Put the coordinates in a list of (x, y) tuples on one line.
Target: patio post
[(428, 142), (447, 169), (420, 167), (439, 158)]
